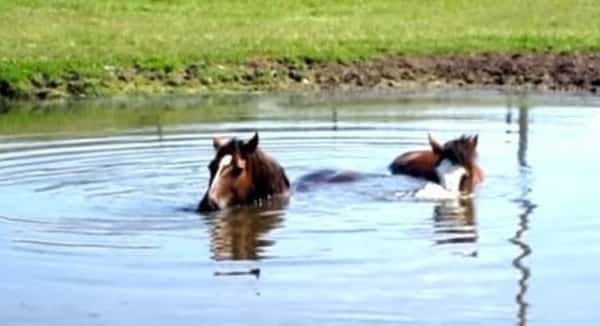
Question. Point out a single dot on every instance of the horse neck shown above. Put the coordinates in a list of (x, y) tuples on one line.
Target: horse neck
[(268, 176)]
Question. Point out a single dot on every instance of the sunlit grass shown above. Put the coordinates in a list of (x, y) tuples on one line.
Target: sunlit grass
[(55, 36)]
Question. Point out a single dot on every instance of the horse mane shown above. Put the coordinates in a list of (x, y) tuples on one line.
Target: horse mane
[(460, 151), (268, 176), (463, 152)]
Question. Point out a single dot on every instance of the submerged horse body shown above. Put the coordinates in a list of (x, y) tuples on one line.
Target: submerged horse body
[(241, 173), (452, 165), (311, 180)]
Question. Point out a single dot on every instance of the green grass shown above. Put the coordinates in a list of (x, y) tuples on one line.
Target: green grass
[(88, 36)]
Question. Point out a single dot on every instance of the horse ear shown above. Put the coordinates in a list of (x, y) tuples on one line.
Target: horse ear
[(474, 141), (218, 142), (251, 145), (435, 146)]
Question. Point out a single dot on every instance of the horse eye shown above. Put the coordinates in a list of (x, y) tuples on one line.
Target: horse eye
[(236, 171)]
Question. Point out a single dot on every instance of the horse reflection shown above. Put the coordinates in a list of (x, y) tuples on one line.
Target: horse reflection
[(455, 222), (240, 233)]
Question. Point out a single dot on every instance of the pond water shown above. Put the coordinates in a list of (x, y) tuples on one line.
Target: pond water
[(97, 224)]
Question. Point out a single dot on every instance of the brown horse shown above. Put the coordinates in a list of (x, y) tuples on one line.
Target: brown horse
[(241, 174), (452, 166)]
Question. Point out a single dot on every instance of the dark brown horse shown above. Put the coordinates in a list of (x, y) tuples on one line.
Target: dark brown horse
[(452, 166), (311, 180), (241, 174)]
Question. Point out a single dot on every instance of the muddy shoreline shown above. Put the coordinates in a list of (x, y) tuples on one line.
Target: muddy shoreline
[(578, 72)]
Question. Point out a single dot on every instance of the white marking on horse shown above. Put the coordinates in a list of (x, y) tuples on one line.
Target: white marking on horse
[(450, 175), (213, 193)]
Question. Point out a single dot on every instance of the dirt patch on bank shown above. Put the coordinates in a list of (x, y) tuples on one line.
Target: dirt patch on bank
[(541, 71), (570, 72)]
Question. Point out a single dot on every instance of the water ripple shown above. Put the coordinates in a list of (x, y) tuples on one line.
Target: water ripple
[(83, 245)]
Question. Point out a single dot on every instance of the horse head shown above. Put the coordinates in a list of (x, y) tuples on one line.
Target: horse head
[(240, 173), (455, 164)]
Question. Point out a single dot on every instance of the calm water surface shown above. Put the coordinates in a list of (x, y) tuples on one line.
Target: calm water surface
[(97, 227)]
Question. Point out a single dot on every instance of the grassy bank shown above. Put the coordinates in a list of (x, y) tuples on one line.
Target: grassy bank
[(42, 40)]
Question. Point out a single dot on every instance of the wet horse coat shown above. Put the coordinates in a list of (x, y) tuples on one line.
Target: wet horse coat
[(452, 165), (241, 174), (326, 176)]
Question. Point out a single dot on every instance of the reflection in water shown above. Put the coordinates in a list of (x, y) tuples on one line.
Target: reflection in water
[(455, 222), (518, 262), (159, 128), (527, 206), (334, 118), (523, 133), (239, 233)]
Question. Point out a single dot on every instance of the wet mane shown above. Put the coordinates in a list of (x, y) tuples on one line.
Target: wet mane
[(459, 151), (267, 175)]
